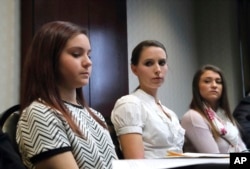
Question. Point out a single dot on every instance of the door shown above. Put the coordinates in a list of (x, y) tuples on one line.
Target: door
[(105, 21)]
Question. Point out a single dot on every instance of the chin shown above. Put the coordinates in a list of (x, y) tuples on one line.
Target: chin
[(84, 83)]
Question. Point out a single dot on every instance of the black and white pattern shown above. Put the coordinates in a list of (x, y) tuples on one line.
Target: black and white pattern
[(43, 131)]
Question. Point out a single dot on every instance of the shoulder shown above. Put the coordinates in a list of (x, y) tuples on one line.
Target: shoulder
[(39, 113), (127, 102), (243, 108), (35, 109), (191, 114), (127, 109), (128, 99), (194, 118), (245, 101)]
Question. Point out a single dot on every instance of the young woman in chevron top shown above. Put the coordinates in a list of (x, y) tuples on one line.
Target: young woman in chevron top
[(209, 124), (57, 129)]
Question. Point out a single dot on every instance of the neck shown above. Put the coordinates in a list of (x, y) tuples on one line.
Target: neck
[(213, 106), (151, 92), (68, 95)]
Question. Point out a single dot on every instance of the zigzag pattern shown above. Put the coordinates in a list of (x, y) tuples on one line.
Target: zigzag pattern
[(41, 129)]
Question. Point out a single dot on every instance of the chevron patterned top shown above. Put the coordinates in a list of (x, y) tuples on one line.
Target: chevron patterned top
[(43, 132)]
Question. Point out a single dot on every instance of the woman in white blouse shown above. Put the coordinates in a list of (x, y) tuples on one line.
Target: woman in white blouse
[(145, 127)]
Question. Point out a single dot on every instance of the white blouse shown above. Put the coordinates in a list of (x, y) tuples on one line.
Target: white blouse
[(138, 113)]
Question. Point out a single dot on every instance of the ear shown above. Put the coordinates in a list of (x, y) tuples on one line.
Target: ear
[(133, 68)]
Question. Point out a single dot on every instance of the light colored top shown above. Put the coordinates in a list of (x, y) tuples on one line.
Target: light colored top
[(199, 137), (138, 113), (43, 132)]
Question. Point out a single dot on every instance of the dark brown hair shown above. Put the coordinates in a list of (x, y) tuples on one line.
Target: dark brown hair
[(136, 53), (40, 73)]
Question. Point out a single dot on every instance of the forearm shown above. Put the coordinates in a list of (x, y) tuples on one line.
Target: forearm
[(58, 162), (202, 140)]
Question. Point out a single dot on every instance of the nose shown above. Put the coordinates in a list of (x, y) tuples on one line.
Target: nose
[(157, 68), (86, 61), (214, 84)]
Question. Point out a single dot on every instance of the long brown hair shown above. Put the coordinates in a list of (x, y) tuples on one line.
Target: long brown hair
[(40, 71), (197, 101)]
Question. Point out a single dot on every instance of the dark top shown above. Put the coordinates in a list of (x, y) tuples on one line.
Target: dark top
[(242, 115)]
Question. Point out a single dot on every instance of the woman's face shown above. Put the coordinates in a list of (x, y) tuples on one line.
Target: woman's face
[(210, 86), (74, 63), (152, 68)]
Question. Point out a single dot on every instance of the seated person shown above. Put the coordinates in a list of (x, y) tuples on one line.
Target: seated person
[(145, 127), (242, 115), (209, 124), (57, 129)]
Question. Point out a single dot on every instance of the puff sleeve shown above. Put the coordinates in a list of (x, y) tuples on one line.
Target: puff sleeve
[(127, 116)]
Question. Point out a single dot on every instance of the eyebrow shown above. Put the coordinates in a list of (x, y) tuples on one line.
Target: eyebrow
[(217, 78), (78, 48)]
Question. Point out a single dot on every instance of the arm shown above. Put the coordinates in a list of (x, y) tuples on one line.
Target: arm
[(132, 146), (198, 132), (128, 121), (58, 162), (42, 137)]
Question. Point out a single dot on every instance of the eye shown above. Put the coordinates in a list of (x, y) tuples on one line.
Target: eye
[(76, 54), (149, 63), (162, 62), (206, 80), (75, 51), (219, 81)]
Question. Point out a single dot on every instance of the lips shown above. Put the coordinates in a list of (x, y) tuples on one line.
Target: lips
[(85, 74), (214, 92), (157, 78)]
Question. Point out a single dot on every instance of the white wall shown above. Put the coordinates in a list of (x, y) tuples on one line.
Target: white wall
[(194, 33), (218, 42), (9, 53), (171, 22)]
